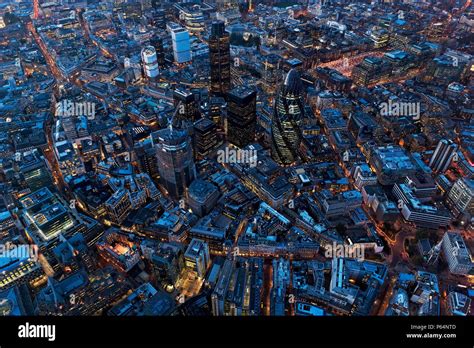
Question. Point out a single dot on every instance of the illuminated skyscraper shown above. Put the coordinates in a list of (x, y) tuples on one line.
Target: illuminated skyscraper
[(444, 153), (175, 159), (241, 116), (181, 45), (205, 137), (289, 111), (157, 43), (187, 105), (219, 53), (150, 63), (146, 158)]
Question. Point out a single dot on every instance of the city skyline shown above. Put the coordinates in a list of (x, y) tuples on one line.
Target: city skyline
[(236, 158)]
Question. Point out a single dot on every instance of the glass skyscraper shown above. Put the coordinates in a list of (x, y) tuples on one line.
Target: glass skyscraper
[(241, 116), (181, 45), (219, 54), (288, 113), (175, 160)]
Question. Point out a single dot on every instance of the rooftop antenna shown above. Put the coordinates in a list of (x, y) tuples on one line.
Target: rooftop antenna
[(170, 120), (433, 254)]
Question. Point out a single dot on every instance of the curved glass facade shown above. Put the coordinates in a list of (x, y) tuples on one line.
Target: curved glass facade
[(288, 113)]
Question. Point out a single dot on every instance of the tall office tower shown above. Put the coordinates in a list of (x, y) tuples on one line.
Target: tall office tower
[(196, 257), (157, 43), (181, 44), (457, 254), (175, 158), (241, 116), (146, 158), (461, 197), (217, 108), (187, 105), (271, 73), (205, 137), (158, 17), (288, 113), (219, 55), (150, 63), (443, 155)]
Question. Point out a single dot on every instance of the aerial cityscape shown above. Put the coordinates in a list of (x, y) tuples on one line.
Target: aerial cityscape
[(236, 158)]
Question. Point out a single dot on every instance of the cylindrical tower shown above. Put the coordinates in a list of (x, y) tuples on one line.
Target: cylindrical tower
[(150, 62)]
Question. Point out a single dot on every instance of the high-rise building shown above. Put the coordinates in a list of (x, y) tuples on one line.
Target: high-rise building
[(181, 44), (217, 108), (196, 257), (461, 197), (443, 155), (158, 15), (157, 43), (187, 105), (271, 73), (150, 63), (175, 158), (205, 137), (146, 158), (457, 254), (192, 16), (219, 55), (288, 113), (241, 116)]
